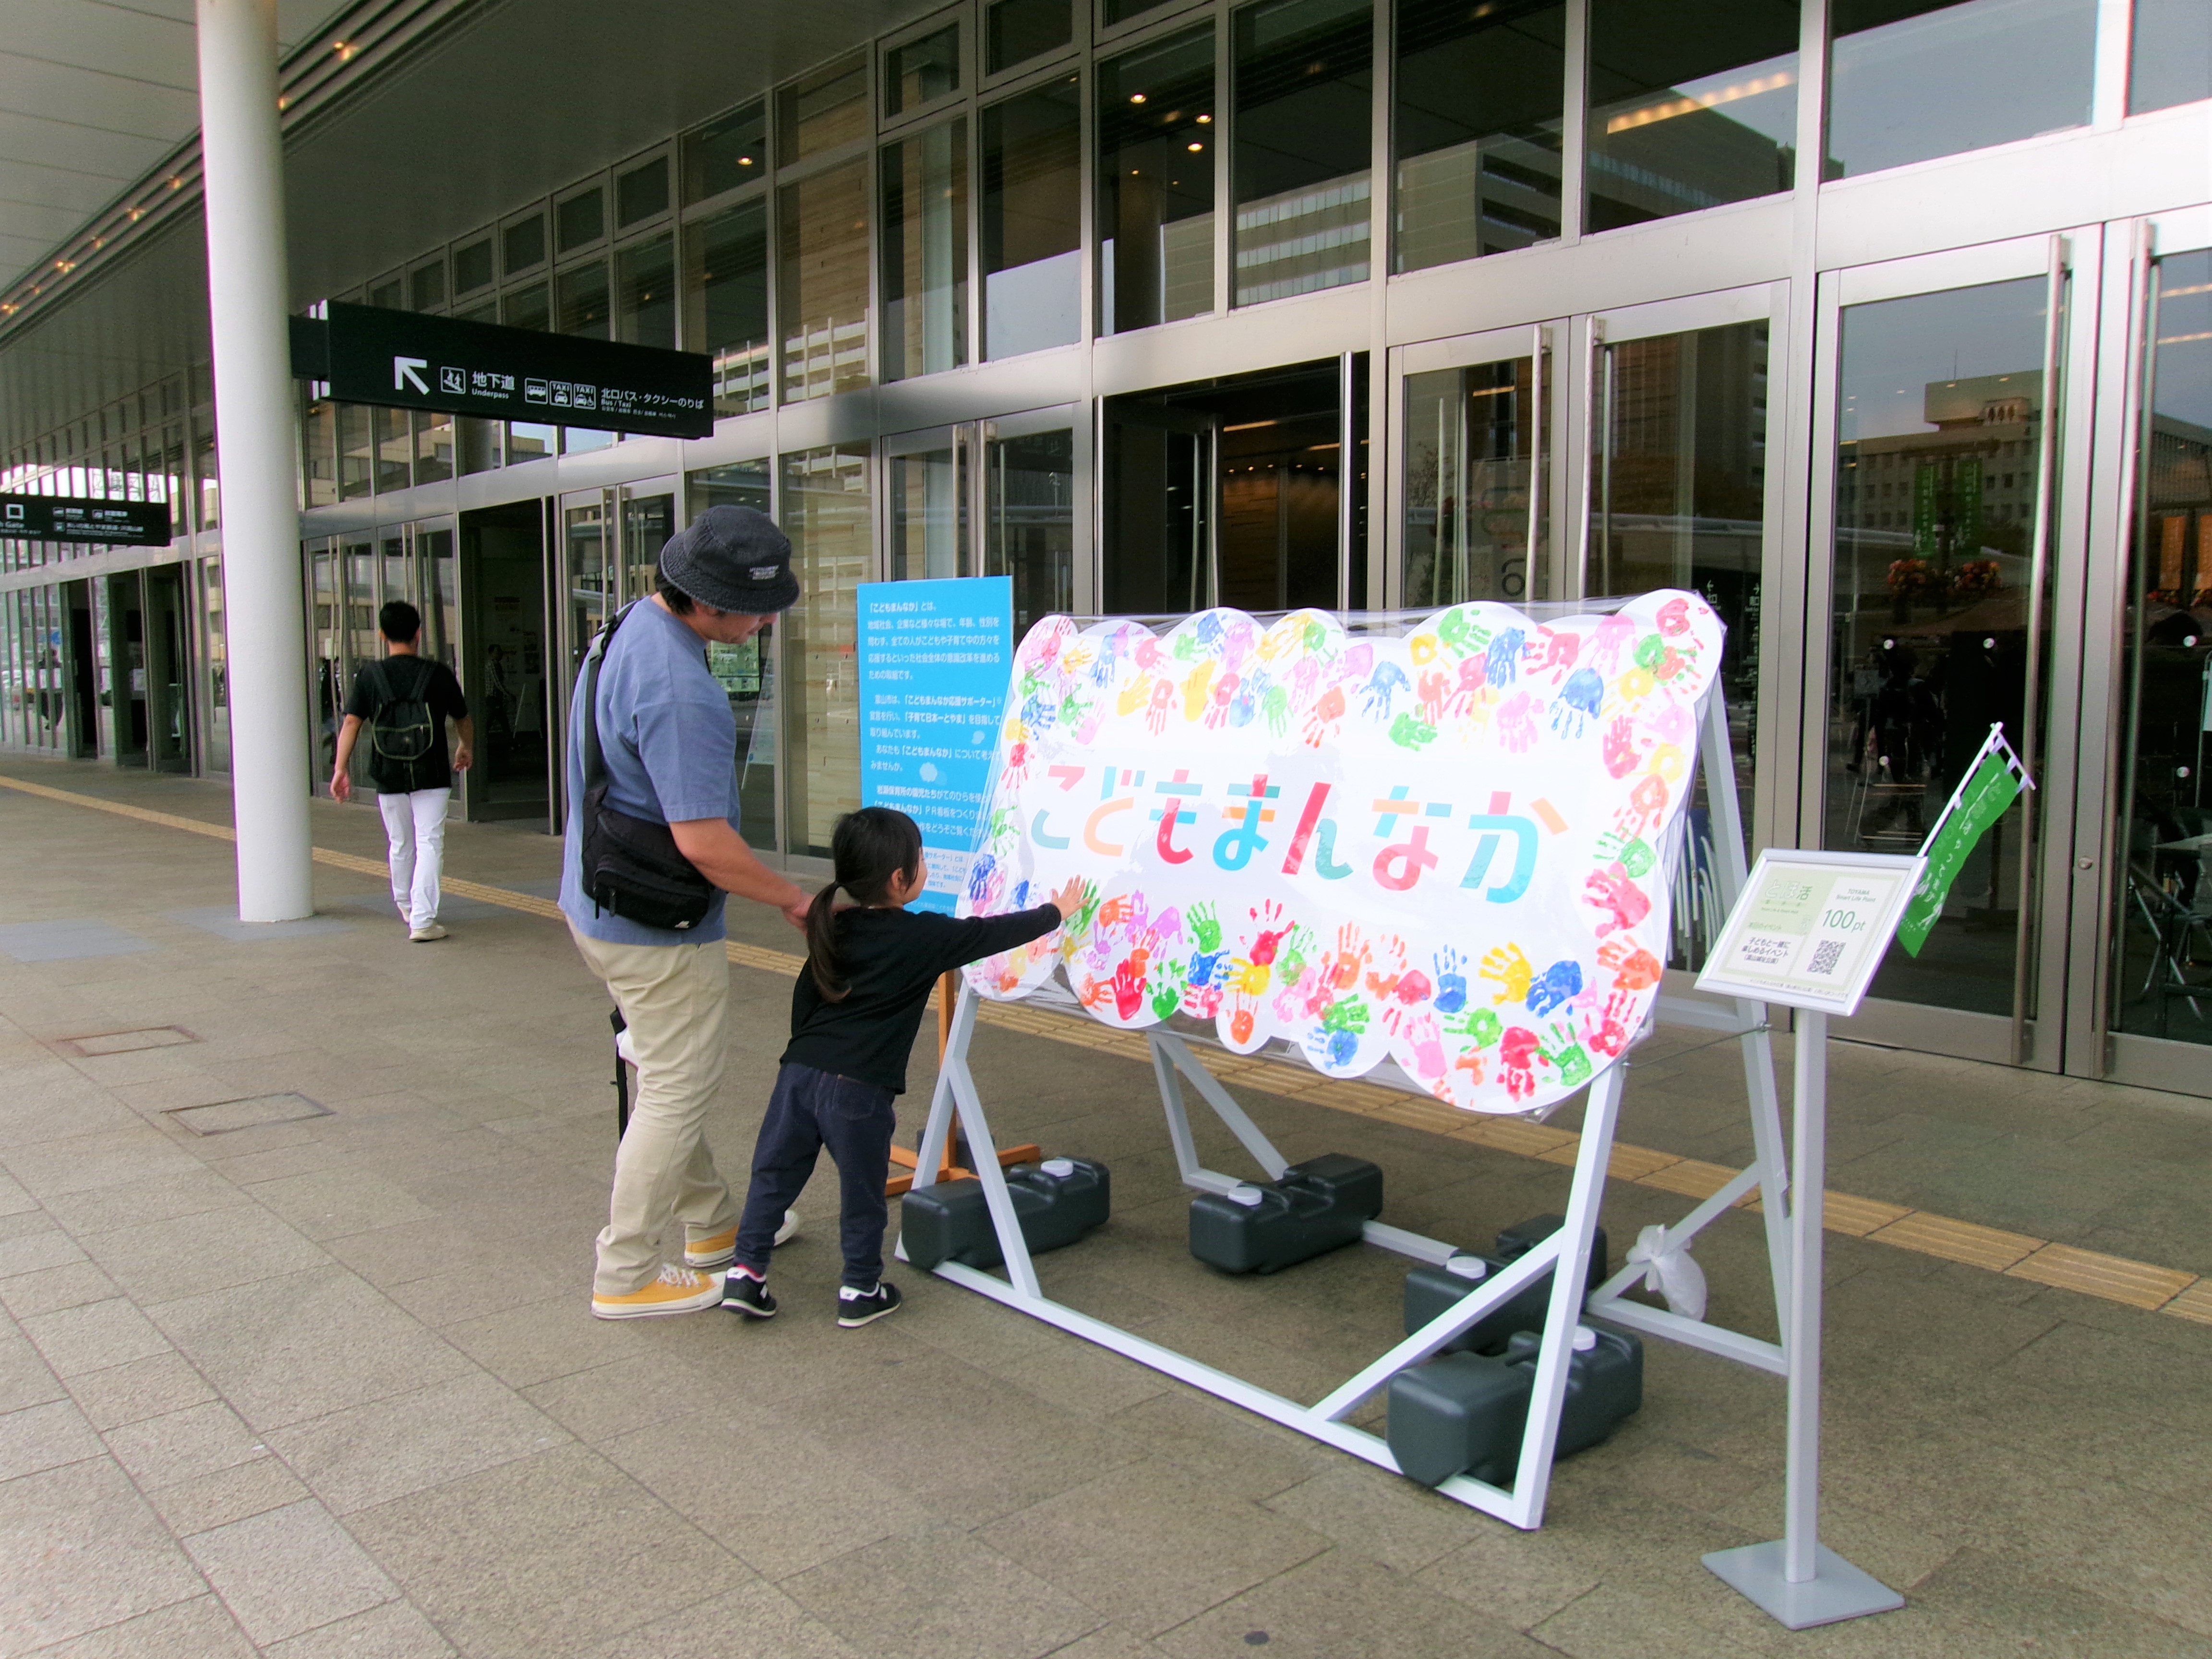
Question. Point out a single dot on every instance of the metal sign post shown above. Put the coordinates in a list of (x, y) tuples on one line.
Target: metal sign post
[(1808, 932)]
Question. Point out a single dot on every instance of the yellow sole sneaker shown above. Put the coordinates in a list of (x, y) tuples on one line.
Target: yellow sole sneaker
[(677, 1290), (715, 1250)]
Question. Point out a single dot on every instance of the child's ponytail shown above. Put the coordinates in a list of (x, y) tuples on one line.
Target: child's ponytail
[(868, 847), (821, 944)]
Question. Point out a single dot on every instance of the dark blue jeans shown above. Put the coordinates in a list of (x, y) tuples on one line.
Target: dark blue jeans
[(809, 1110)]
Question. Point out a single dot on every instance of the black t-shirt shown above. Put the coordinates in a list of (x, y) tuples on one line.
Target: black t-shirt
[(891, 960), (400, 678)]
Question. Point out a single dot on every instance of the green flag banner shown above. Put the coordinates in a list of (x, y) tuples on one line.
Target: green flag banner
[(1992, 788)]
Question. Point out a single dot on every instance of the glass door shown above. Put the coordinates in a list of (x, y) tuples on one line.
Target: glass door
[(2144, 951), (1474, 519), (591, 580), (1028, 489), (988, 498), (925, 504), (1680, 494), (1939, 545), (648, 519)]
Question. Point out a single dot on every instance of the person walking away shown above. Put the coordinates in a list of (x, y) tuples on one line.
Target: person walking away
[(871, 966), (664, 777), (404, 702)]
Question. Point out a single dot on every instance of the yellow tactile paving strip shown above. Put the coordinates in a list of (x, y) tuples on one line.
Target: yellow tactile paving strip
[(2114, 1279)]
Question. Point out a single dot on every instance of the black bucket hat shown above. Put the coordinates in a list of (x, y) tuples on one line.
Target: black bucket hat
[(734, 559)]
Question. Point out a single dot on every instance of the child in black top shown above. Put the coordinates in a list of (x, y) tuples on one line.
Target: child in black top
[(870, 969)]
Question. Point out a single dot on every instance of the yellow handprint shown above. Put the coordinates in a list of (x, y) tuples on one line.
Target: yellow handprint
[(1507, 968), (1134, 695), (1194, 690)]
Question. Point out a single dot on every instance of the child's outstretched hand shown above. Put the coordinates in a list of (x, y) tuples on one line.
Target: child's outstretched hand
[(1069, 899)]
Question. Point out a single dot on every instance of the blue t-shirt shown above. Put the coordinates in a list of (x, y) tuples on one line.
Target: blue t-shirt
[(670, 746)]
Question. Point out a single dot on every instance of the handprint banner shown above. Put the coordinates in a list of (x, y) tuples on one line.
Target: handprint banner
[(1445, 848)]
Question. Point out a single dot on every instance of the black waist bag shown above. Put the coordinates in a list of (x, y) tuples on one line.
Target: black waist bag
[(631, 865)]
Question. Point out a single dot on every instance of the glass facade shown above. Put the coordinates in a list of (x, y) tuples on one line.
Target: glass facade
[(1302, 146), (1910, 80), (1690, 107), (1481, 108), (1156, 182), (930, 272), (1032, 221)]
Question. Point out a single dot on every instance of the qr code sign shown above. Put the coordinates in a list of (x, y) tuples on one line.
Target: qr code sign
[(1825, 955)]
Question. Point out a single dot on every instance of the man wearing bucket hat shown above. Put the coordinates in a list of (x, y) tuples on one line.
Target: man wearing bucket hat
[(662, 786)]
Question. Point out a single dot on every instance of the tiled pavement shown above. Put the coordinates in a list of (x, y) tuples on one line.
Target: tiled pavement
[(326, 1385)]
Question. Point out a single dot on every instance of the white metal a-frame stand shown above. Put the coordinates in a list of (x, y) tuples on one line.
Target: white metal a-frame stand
[(1792, 1237)]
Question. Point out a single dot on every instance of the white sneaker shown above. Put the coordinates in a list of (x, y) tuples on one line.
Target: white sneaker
[(428, 933), (677, 1291), (624, 1051), (789, 1231)]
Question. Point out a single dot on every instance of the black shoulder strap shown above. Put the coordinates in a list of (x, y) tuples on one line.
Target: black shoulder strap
[(380, 685), (595, 764)]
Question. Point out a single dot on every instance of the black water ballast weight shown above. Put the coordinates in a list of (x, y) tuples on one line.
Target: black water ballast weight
[(1259, 1227), (1432, 1291), (1056, 1201), (1464, 1414)]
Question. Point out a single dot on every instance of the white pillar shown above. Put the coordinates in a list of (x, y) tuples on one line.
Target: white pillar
[(241, 150)]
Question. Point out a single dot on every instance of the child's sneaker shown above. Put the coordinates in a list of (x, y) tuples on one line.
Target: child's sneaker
[(679, 1290), (859, 1308), (744, 1294)]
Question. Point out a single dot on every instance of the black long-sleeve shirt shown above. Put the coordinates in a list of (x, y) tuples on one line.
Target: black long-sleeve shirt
[(890, 961)]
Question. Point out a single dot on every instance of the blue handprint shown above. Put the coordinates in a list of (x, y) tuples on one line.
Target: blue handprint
[(1388, 680), (1451, 981), (1246, 703), (979, 876), (1554, 986), (1577, 703), (1501, 664)]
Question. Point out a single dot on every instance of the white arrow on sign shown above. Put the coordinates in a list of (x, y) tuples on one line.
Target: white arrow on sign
[(404, 375)]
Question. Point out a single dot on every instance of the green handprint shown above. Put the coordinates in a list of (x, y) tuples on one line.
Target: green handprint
[(1650, 651), (1461, 636), (1567, 1055), (1632, 852), (1167, 991), (1205, 927), (1410, 731), (1186, 647), (1276, 706), (1478, 1024), (1346, 1014)]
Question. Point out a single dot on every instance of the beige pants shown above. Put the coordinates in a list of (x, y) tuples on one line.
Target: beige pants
[(675, 1000)]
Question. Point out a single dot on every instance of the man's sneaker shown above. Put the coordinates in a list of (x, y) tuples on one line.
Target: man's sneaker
[(789, 1231), (859, 1308), (711, 1252), (744, 1294), (717, 1249), (427, 933), (679, 1290)]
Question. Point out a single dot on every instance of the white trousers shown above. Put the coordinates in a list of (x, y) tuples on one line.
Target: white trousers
[(414, 825)]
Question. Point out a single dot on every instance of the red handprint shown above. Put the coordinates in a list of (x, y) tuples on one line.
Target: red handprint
[(1217, 711), (1130, 984), (1321, 724), (1514, 1050), (1647, 803), (1611, 1035), (1611, 891), (1549, 650), (1156, 716), (1634, 968), (1674, 617)]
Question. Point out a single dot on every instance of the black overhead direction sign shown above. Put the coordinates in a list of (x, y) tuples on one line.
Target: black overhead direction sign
[(404, 359), (80, 518)]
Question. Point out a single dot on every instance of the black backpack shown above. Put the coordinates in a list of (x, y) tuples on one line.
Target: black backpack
[(403, 731)]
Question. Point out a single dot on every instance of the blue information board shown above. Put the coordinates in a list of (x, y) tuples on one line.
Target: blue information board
[(934, 658)]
